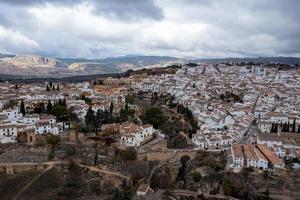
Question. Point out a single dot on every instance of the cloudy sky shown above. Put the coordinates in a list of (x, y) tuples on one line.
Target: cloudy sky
[(183, 28)]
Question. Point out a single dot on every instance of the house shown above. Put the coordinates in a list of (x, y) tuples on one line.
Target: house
[(274, 160), (130, 133), (8, 133), (12, 114), (237, 156)]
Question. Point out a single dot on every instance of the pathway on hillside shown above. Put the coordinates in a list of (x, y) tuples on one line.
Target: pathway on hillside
[(95, 169), (32, 181)]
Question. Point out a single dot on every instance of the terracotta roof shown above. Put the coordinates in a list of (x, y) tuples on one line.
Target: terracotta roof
[(270, 155), (250, 152), (237, 151)]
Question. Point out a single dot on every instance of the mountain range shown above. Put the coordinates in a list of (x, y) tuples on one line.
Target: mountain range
[(36, 66)]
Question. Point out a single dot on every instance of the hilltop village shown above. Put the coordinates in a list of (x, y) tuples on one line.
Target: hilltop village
[(192, 131)]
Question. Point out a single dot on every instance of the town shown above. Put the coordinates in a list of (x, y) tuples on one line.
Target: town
[(157, 134)]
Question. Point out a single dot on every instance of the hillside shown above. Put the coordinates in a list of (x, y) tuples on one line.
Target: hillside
[(35, 66)]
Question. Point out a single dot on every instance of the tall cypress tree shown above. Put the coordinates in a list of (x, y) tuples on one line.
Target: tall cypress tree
[(64, 103), (47, 88), (49, 107), (22, 108), (60, 102), (294, 126), (89, 118), (57, 88), (111, 108)]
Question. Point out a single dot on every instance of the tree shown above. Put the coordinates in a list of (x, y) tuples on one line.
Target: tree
[(49, 107), (60, 102), (154, 116), (50, 84), (89, 118), (16, 87), (40, 108), (294, 126), (53, 87), (60, 111), (22, 108), (48, 88), (196, 176), (128, 154), (57, 88), (64, 103), (111, 108), (10, 104)]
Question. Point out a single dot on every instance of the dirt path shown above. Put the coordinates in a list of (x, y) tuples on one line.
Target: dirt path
[(95, 169), (32, 181)]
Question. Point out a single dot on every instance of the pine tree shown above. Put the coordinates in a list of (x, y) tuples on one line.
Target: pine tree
[(49, 107), (276, 128), (57, 88), (50, 83), (16, 87), (22, 108), (60, 102), (111, 108), (42, 108), (294, 126), (53, 87), (89, 117), (64, 103), (47, 88)]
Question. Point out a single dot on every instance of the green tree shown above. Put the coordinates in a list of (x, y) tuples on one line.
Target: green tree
[(111, 108), (57, 88), (47, 88), (49, 107), (89, 118), (128, 154), (50, 84), (22, 108), (60, 111), (16, 87), (64, 103), (154, 116), (196, 176)]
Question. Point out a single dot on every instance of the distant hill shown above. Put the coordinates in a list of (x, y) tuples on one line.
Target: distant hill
[(35, 66)]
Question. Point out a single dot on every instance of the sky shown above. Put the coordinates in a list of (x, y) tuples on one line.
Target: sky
[(181, 28)]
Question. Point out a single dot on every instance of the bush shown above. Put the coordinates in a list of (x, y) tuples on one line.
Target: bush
[(196, 176), (128, 154), (53, 139), (154, 116)]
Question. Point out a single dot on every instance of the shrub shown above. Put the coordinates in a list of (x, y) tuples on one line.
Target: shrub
[(53, 139), (128, 154), (196, 176)]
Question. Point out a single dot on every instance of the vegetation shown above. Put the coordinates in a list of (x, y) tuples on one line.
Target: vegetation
[(10, 104), (53, 139), (154, 116), (196, 176), (22, 108), (128, 154)]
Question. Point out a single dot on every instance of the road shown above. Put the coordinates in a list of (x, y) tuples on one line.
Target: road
[(252, 129)]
